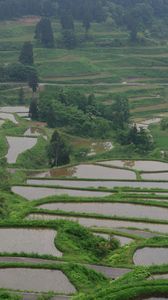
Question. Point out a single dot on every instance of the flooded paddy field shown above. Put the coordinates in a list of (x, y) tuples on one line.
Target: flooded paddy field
[(155, 176), (113, 209), (18, 145), (7, 116), (89, 171), (28, 241), (141, 165), (14, 109), (103, 223), (34, 193), (36, 280), (151, 256), (96, 184)]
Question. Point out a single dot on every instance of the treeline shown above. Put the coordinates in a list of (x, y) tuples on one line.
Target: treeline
[(77, 8), (132, 15)]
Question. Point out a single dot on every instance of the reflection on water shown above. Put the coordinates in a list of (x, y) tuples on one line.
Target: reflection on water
[(89, 171), (14, 109), (28, 241), (36, 280), (150, 256)]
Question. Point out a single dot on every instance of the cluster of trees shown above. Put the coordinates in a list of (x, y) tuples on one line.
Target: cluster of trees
[(139, 137), (23, 70), (164, 124), (78, 113)]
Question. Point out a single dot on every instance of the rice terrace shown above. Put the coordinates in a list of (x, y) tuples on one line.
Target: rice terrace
[(83, 150)]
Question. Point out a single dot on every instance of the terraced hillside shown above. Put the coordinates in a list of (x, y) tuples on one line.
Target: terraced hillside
[(96, 228), (123, 206)]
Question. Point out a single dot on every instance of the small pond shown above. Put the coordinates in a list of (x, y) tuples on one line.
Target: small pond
[(34, 193), (17, 145), (93, 222), (90, 171), (143, 165), (151, 256), (36, 280), (111, 209), (28, 241)]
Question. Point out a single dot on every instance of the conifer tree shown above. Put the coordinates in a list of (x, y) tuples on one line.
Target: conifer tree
[(26, 54), (44, 33)]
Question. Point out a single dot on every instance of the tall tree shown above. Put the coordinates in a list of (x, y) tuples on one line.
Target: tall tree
[(21, 96), (26, 54), (33, 80), (44, 33), (69, 39), (33, 109), (58, 151)]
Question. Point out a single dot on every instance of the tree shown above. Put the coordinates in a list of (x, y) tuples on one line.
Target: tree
[(33, 109), (44, 33), (120, 112), (138, 18), (33, 80), (26, 54), (66, 20), (21, 96), (58, 151), (69, 39)]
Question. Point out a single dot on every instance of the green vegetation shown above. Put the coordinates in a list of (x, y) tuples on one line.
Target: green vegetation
[(91, 72)]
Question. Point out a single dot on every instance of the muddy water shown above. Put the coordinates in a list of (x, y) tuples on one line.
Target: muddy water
[(28, 241), (6, 116), (107, 184), (111, 209), (35, 280), (93, 222), (155, 176), (150, 256), (90, 171), (14, 109), (32, 132), (32, 193), (139, 165), (17, 145)]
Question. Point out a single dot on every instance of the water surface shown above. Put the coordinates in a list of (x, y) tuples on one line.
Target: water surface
[(34, 193), (17, 145), (155, 176), (36, 280), (6, 116), (143, 165), (111, 209), (93, 222), (14, 109), (90, 171), (28, 241), (96, 184), (151, 256)]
